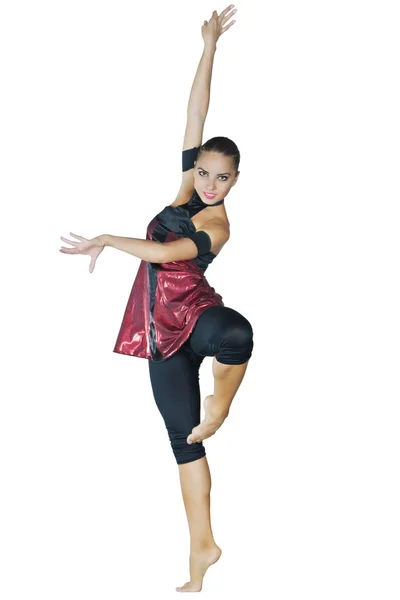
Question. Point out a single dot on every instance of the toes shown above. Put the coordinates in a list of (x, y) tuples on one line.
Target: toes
[(192, 438), (189, 587), (183, 588)]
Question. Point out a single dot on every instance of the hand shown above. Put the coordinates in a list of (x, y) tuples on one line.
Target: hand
[(92, 247), (212, 29)]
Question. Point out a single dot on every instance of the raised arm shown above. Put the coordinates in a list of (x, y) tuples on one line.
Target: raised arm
[(211, 30), (199, 98)]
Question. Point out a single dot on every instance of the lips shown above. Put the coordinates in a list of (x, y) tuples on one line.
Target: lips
[(209, 196)]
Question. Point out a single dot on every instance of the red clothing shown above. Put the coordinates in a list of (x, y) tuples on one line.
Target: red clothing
[(167, 299)]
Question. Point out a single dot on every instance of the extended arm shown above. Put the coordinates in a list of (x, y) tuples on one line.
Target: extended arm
[(214, 235), (199, 98), (197, 109), (147, 250), (211, 31), (157, 252)]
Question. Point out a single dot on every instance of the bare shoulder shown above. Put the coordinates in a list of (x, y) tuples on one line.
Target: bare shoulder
[(221, 219), (221, 222), (210, 219), (218, 230)]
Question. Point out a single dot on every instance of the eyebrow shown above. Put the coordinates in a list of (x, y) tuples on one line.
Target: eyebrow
[(208, 173)]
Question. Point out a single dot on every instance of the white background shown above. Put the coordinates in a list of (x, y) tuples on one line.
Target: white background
[(305, 471)]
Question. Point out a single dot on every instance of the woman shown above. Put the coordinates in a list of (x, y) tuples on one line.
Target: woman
[(174, 318)]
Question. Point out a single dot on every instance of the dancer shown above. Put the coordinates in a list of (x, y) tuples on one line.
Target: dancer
[(174, 318)]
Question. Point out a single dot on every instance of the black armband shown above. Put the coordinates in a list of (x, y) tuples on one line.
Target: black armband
[(202, 241), (188, 158)]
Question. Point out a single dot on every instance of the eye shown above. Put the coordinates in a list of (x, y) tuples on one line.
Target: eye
[(221, 177)]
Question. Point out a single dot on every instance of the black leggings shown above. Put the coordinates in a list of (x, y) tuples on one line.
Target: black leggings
[(220, 331)]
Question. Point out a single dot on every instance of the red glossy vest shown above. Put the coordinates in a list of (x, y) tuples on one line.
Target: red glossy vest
[(166, 299)]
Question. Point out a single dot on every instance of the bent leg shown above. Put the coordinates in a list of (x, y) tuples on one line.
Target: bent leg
[(227, 379), (227, 335)]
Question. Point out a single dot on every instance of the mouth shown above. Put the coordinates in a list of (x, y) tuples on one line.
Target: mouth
[(209, 196)]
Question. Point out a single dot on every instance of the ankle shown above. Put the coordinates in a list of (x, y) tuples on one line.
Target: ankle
[(217, 415), (202, 545)]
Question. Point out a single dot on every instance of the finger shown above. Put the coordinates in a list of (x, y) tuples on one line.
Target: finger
[(72, 242), (226, 10), (69, 250), (92, 263), (227, 17), (227, 27), (79, 237)]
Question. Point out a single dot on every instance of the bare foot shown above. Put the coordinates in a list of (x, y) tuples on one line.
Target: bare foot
[(211, 422), (199, 563)]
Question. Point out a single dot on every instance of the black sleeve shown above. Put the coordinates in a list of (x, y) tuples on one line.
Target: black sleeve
[(188, 158), (202, 241)]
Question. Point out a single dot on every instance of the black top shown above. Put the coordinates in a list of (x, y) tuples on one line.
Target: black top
[(177, 219)]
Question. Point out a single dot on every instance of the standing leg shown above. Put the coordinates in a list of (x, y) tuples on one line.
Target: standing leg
[(225, 334), (195, 481), (176, 390)]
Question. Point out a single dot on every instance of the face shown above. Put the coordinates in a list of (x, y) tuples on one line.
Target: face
[(214, 174)]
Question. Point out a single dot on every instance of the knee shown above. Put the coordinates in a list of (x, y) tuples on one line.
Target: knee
[(223, 332), (240, 333), (237, 343)]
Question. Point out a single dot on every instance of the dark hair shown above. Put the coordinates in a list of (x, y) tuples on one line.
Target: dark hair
[(224, 146)]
